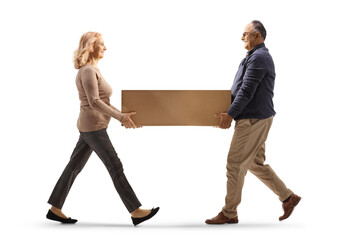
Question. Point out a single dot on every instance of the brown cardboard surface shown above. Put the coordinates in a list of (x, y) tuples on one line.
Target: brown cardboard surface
[(175, 107)]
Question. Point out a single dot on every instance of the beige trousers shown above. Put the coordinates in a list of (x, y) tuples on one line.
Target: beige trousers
[(247, 152)]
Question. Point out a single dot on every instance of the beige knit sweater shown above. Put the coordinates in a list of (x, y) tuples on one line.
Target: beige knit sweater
[(94, 95)]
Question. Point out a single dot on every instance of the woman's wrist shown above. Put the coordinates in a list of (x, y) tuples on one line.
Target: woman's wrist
[(120, 116)]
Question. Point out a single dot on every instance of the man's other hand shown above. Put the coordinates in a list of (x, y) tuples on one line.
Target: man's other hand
[(225, 120)]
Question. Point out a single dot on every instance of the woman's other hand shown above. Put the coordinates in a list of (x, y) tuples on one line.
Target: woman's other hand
[(127, 122)]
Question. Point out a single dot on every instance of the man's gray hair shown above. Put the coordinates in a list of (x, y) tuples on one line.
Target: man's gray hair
[(259, 27)]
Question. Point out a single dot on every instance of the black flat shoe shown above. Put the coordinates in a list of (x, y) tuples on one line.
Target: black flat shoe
[(52, 216), (137, 221)]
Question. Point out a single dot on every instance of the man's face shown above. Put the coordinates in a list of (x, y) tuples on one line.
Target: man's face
[(249, 37)]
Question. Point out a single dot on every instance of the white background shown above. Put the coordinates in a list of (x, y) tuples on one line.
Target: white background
[(180, 45)]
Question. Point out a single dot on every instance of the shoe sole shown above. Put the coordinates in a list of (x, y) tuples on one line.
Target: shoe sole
[(221, 223)]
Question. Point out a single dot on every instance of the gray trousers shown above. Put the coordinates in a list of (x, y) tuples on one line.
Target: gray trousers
[(99, 142)]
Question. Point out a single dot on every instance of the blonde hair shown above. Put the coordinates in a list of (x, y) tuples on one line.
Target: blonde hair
[(83, 54)]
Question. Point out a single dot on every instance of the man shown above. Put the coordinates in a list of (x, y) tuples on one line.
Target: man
[(252, 109)]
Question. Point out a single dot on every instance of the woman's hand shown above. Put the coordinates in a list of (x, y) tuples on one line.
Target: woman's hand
[(127, 122)]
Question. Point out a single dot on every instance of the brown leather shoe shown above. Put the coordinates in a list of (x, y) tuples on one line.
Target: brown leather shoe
[(289, 206), (221, 219)]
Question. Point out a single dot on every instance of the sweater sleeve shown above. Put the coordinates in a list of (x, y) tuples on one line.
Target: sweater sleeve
[(90, 85), (253, 76), (113, 107)]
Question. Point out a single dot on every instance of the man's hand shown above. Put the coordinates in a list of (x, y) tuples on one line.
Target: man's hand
[(127, 122), (225, 120)]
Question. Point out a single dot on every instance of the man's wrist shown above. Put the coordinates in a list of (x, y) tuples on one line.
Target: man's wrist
[(231, 113), (229, 116)]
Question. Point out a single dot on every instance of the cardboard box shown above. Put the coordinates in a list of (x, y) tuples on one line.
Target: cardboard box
[(175, 107)]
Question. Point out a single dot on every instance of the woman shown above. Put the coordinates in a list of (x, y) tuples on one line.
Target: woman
[(95, 114)]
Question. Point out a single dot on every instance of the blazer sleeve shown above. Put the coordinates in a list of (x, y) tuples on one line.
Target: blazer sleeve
[(254, 74)]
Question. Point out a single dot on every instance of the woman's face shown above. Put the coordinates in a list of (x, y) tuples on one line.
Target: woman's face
[(99, 49)]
